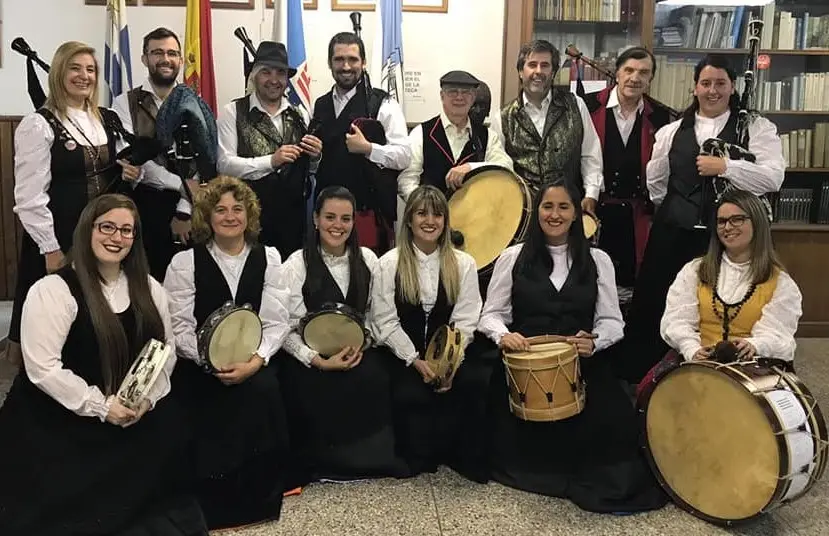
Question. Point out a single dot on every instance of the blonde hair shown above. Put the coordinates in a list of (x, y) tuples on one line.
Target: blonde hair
[(432, 200), (207, 197), (58, 99)]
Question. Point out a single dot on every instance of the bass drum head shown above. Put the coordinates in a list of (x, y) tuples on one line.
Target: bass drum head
[(235, 338), (489, 210), (711, 444), (328, 333)]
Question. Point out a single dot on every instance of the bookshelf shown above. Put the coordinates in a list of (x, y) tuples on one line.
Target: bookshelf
[(794, 48)]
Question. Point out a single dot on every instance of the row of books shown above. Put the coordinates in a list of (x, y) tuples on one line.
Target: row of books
[(807, 148), (582, 10), (726, 27), (795, 205), (804, 92)]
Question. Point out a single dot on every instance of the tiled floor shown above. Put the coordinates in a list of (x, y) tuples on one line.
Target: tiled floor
[(446, 504)]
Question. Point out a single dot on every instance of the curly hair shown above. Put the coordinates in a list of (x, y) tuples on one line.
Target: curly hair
[(207, 197)]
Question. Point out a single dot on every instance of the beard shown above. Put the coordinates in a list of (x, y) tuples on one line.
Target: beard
[(347, 84), (163, 80)]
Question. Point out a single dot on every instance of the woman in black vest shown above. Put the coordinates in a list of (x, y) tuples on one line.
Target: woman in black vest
[(423, 284), (555, 284), (241, 430), (74, 460), (680, 184), (341, 425), (64, 156)]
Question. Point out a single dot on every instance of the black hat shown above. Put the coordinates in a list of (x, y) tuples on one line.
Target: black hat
[(459, 78), (273, 55)]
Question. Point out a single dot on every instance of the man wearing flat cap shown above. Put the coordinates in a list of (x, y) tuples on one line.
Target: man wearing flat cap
[(448, 146), (263, 140)]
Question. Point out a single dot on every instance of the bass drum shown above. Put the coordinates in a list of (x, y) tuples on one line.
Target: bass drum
[(729, 442), (490, 212)]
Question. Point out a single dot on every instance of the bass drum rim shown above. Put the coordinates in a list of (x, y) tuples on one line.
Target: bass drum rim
[(748, 385), (523, 221)]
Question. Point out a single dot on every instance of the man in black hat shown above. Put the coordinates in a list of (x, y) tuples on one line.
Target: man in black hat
[(158, 189), (448, 146), (263, 140)]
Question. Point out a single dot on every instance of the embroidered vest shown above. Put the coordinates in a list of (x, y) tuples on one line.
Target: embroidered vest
[(556, 153), (256, 133), (711, 325)]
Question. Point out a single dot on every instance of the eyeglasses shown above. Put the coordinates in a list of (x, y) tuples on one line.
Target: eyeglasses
[(455, 91), (108, 228), (736, 221), (160, 54)]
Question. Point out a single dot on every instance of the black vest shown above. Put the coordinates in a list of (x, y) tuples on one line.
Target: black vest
[(684, 198), (539, 309), (416, 323), (212, 290), (327, 291), (74, 183), (437, 153), (373, 188), (622, 163)]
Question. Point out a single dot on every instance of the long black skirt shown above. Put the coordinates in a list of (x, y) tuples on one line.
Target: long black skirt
[(592, 458), (63, 474), (240, 444), (441, 428), (669, 249), (340, 421)]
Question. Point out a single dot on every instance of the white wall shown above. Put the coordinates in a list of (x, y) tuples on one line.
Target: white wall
[(469, 37)]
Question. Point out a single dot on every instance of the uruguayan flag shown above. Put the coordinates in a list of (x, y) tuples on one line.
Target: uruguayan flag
[(288, 29), (387, 54), (117, 67)]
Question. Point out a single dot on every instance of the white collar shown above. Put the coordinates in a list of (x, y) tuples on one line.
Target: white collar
[(344, 97), (256, 103), (333, 260), (545, 102), (557, 250), (423, 258), (613, 100), (722, 118), (446, 123), (741, 266), (216, 250)]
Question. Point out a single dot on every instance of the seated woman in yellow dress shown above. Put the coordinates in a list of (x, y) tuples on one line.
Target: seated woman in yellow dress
[(737, 292)]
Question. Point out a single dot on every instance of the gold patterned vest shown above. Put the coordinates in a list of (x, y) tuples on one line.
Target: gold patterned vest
[(256, 133), (711, 321), (556, 153)]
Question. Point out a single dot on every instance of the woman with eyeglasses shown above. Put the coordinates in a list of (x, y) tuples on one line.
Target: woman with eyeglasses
[(241, 436), (738, 291), (74, 459), (64, 156)]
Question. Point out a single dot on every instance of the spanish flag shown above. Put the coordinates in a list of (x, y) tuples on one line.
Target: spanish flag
[(198, 52)]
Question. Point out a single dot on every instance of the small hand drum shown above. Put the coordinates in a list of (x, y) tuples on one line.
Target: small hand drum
[(444, 354), (591, 228), (143, 373), (231, 334), (332, 328)]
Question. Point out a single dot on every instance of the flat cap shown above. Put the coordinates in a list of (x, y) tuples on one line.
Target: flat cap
[(459, 78)]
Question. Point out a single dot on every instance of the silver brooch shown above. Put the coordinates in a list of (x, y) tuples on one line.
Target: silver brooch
[(70, 145)]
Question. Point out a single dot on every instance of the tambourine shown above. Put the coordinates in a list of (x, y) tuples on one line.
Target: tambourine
[(332, 328), (592, 226), (230, 335), (143, 373), (444, 354)]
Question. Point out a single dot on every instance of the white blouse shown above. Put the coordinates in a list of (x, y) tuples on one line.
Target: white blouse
[(33, 141), (465, 313), (181, 285), (760, 177), (294, 271), (608, 324), (771, 336), (48, 314)]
